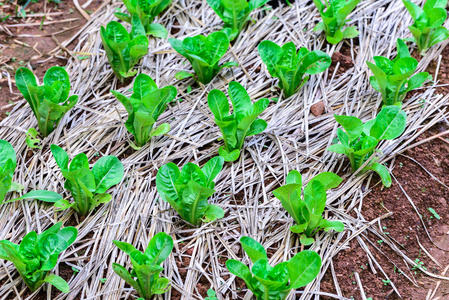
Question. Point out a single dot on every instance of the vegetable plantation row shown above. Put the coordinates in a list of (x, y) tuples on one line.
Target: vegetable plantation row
[(187, 190)]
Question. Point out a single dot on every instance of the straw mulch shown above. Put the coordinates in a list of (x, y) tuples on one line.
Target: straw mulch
[(294, 139)]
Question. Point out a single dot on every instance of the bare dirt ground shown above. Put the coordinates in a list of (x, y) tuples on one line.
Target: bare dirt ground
[(33, 41)]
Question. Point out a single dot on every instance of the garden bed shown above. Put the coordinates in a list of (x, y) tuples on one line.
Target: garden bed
[(294, 139)]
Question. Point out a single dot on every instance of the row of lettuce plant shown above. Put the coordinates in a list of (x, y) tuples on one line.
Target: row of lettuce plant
[(188, 190)]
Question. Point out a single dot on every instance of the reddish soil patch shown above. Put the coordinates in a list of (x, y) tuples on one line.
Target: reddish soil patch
[(24, 44), (443, 73), (404, 226), (344, 60)]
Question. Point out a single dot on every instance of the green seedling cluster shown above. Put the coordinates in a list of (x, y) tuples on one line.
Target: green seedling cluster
[(38, 254), (146, 11), (124, 49), (307, 210), (144, 107), (187, 190), (428, 29), (334, 14), (243, 121), (393, 78), (292, 67), (50, 101), (234, 13), (359, 140), (87, 187), (204, 54), (274, 283), (144, 276)]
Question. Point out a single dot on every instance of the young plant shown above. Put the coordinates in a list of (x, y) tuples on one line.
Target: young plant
[(290, 66), (204, 54), (145, 274), (235, 13), (50, 101), (88, 187), (274, 283), (307, 212), (37, 255), (241, 123), (8, 165), (146, 104), (146, 10), (124, 49), (393, 78), (427, 29), (358, 142), (187, 190), (334, 14)]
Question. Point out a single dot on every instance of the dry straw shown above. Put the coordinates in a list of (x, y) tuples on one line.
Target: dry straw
[(294, 139)]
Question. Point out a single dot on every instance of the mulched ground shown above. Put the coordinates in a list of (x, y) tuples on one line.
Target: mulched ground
[(404, 225)]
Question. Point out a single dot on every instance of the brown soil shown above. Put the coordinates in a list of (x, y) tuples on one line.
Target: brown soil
[(34, 51), (404, 226)]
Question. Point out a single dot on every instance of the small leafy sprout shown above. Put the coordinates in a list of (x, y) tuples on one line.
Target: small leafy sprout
[(103, 280), (146, 11), (8, 163), (187, 190), (211, 295), (241, 123), (124, 49), (434, 213), (32, 140), (204, 54), (307, 210), (274, 283), (145, 274), (50, 101), (75, 270), (358, 142), (386, 281), (144, 107), (291, 66), (88, 187), (427, 29), (234, 13), (37, 255), (393, 78), (334, 14), (418, 265)]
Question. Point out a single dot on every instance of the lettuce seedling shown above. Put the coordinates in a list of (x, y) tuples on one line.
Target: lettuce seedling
[(290, 66), (146, 104), (235, 13), (334, 14), (50, 101), (144, 276), (8, 164), (204, 53), (427, 29), (307, 212), (393, 78), (37, 255), (187, 190), (241, 123), (124, 49), (88, 187), (146, 10), (358, 142), (274, 283)]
